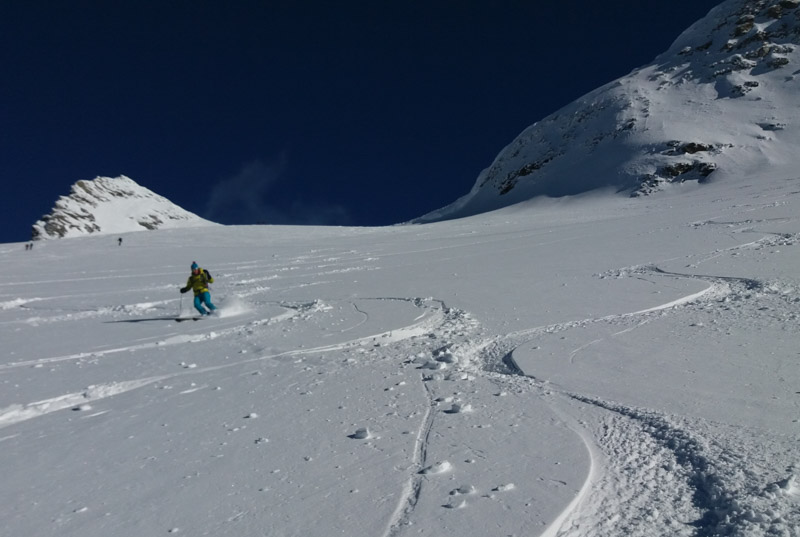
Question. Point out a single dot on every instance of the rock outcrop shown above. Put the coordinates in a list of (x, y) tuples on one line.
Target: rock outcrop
[(111, 205)]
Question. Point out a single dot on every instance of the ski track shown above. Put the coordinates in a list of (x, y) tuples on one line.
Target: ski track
[(670, 473), (364, 319), (650, 473), (16, 413), (663, 475), (76, 401), (412, 490), (596, 464), (221, 327)]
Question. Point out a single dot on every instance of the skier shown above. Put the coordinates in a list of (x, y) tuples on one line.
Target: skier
[(199, 281)]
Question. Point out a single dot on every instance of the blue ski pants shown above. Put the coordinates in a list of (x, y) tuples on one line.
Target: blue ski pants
[(203, 298)]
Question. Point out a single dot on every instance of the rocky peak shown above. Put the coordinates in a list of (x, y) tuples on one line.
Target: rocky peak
[(111, 205)]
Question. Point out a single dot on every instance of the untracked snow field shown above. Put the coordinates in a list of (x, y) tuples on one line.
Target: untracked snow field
[(580, 367)]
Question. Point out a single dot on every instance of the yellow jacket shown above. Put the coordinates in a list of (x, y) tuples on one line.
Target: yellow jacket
[(199, 282)]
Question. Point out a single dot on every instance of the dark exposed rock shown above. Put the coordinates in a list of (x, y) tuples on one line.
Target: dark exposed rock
[(778, 61), (674, 173), (687, 148), (772, 126), (512, 178), (743, 28)]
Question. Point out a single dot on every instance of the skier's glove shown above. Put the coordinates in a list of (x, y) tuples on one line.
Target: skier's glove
[(184, 289)]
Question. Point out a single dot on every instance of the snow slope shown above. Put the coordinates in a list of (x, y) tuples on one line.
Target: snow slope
[(585, 366), (112, 205), (721, 103)]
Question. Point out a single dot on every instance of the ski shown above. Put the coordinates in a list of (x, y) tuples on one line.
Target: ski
[(181, 319)]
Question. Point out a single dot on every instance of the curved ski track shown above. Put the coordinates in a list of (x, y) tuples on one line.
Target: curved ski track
[(16, 413), (639, 458)]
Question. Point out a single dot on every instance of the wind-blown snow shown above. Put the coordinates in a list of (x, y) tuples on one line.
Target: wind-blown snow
[(579, 367)]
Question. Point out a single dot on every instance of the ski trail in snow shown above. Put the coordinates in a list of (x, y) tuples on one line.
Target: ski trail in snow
[(719, 287), (675, 303), (412, 490), (663, 474), (713, 289), (596, 465), (630, 329), (173, 340), (199, 334), (16, 413), (365, 318), (220, 328), (771, 240), (581, 348), (629, 450), (638, 481), (652, 472)]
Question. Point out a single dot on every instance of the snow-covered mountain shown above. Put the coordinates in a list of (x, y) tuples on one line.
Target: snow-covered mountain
[(601, 367), (112, 205), (721, 102)]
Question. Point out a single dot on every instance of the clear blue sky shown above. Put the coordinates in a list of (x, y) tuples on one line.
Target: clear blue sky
[(352, 112)]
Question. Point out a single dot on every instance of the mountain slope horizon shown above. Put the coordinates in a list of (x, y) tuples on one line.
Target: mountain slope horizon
[(717, 105), (720, 103)]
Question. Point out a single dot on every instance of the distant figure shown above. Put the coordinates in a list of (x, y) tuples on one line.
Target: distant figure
[(119, 241), (198, 282)]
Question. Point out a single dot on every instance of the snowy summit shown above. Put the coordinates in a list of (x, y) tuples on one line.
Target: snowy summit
[(722, 101), (112, 205)]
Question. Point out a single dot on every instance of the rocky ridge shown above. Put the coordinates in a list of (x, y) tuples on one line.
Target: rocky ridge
[(111, 205), (720, 100)]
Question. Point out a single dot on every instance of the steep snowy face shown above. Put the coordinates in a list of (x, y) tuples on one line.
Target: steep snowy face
[(111, 205), (720, 102)]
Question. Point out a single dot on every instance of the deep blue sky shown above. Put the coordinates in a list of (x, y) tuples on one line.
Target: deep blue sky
[(351, 112)]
